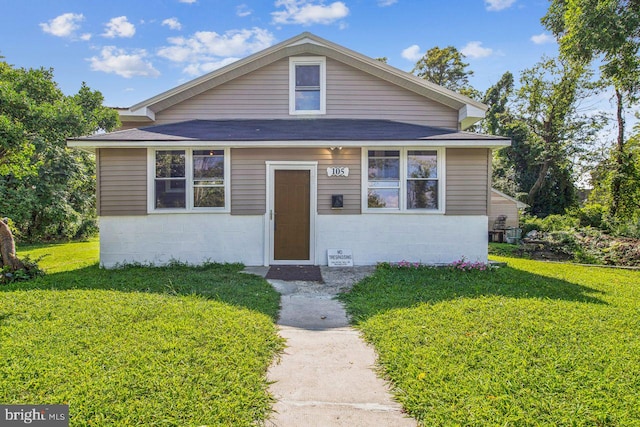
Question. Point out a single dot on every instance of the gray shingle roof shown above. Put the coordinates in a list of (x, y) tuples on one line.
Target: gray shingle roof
[(290, 130)]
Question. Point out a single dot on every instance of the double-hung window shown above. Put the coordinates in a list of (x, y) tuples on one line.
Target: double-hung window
[(404, 180), (189, 179), (307, 81)]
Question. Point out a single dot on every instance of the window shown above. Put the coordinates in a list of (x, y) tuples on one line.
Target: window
[(422, 179), (171, 189), (189, 180), (384, 179), (307, 85), (403, 180), (208, 179)]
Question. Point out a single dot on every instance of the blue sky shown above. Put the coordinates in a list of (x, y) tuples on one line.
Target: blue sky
[(132, 50)]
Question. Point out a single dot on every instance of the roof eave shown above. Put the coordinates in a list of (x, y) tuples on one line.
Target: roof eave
[(143, 114), (461, 143)]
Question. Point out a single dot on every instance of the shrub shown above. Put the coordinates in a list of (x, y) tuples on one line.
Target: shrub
[(464, 265), (592, 215), (549, 223), (30, 271)]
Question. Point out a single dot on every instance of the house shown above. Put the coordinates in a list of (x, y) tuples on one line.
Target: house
[(502, 204), (303, 147)]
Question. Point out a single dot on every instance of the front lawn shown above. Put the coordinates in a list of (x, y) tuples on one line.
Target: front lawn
[(174, 346), (529, 344)]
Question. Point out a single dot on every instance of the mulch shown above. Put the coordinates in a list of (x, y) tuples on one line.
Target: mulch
[(308, 273)]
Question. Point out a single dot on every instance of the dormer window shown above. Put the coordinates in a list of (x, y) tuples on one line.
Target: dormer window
[(307, 81)]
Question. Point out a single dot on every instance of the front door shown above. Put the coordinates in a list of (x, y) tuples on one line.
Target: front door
[(292, 219)]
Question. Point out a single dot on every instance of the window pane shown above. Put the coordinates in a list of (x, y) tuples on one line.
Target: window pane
[(208, 197), (422, 194), (384, 184), (307, 100), (170, 164), (208, 152), (384, 169), (422, 164), (383, 198), (384, 153), (308, 75), (170, 193), (208, 167)]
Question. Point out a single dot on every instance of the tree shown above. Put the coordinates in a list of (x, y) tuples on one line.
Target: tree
[(445, 67), (547, 132), (45, 188), (497, 98), (607, 30), (8, 256), (602, 175)]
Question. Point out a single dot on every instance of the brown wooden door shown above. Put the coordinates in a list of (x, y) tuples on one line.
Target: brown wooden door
[(292, 215)]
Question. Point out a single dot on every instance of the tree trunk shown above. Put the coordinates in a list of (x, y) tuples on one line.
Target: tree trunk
[(8, 249), (533, 192), (616, 182)]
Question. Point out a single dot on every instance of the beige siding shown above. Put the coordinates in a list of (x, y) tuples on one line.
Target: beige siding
[(351, 94), (503, 206), (248, 174), (467, 181), (122, 181)]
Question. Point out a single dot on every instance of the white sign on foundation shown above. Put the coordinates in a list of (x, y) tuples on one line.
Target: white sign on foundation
[(340, 257)]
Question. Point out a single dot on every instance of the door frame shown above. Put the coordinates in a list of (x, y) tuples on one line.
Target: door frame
[(272, 167)]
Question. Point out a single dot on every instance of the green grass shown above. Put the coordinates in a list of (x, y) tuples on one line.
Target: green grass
[(60, 257), (529, 344), (174, 346)]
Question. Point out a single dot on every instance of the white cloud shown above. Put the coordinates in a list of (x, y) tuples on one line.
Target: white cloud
[(496, 5), (122, 63), (188, 1), (206, 67), (64, 25), (208, 50), (308, 12), (412, 53), (384, 3), (543, 38), (475, 50), (172, 23), (243, 10), (119, 27), (86, 36)]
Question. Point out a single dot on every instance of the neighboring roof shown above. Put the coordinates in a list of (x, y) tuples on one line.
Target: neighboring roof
[(469, 111), (519, 204), (295, 131)]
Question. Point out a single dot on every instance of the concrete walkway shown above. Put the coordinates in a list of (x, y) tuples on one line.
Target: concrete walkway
[(326, 376)]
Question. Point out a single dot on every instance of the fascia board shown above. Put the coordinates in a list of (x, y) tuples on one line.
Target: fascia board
[(290, 144)]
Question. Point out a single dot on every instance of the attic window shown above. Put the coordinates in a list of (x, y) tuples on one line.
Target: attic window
[(307, 81)]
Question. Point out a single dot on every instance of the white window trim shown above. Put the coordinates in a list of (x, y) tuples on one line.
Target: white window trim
[(151, 177), (403, 182), (307, 60)]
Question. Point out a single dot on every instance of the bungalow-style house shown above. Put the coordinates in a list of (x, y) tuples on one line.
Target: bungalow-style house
[(296, 150)]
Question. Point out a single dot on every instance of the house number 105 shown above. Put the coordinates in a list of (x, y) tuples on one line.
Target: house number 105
[(338, 171)]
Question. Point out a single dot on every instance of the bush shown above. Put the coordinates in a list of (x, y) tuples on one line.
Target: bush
[(30, 271), (586, 235), (549, 223), (592, 215)]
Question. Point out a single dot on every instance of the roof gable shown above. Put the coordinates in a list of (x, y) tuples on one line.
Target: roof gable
[(469, 111)]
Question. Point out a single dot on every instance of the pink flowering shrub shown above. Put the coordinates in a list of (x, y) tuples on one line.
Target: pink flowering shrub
[(461, 265), (400, 265), (464, 265)]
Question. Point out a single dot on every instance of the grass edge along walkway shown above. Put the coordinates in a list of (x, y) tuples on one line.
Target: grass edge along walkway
[(528, 344)]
